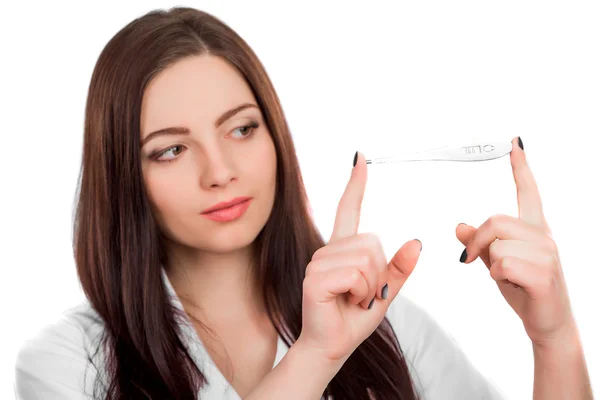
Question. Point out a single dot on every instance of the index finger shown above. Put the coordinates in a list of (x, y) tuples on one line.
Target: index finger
[(528, 195), (347, 217)]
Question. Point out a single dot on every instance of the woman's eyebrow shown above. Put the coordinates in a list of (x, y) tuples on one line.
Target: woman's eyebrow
[(182, 130)]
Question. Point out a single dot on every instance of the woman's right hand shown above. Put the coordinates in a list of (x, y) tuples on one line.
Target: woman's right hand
[(346, 276)]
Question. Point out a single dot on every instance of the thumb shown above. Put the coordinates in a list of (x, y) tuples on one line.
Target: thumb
[(464, 233), (401, 266)]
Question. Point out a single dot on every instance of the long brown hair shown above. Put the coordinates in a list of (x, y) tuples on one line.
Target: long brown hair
[(119, 250)]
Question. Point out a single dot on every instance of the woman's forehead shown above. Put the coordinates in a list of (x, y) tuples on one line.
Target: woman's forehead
[(201, 87)]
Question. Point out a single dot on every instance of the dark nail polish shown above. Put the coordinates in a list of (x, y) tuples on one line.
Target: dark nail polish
[(420, 244), (463, 256), (521, 143), (355, 158), (384, 291), (371, 303)]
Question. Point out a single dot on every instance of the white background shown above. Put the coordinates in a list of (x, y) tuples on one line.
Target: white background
[(375, 78)]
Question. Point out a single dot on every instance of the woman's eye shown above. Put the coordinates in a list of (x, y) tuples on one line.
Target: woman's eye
[(247, 130), (169, 150)]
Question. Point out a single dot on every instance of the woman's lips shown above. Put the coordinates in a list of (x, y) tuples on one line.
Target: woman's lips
[(229, 213)]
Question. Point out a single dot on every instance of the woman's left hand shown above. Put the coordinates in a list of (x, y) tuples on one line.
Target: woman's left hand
[(524, 261)]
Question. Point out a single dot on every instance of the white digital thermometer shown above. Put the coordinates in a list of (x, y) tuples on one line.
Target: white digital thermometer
[(475, 151)]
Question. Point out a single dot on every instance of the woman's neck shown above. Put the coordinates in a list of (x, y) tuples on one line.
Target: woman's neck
[(220, 289)]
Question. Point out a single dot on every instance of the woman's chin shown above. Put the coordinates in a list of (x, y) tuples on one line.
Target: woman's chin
[(229, 240)]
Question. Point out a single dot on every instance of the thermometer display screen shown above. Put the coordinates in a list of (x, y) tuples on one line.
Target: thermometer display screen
[(472, 150)]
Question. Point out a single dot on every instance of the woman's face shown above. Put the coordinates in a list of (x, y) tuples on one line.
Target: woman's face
[(219, 159)]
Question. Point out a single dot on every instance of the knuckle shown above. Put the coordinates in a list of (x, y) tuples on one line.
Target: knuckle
[(550, 244), (495, 250), (370, 240), (310, 268), (364, 260), (373, 259), (555, 262), (374, 247), (373, 263), (496, 220), (355, 276), (550, 260), (548, 283), (367, 266), (317, 253), (504, 264), (373, 240)]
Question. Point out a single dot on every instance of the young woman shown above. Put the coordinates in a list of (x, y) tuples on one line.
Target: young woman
[(204, 272)]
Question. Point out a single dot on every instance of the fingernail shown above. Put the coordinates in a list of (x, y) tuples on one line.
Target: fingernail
[(521, 143), (463, 256), (384, 291), (371, 303), (420, 244), (355, 158)]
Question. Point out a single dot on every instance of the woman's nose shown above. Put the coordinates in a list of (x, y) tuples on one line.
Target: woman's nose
[(218, 169)]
